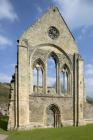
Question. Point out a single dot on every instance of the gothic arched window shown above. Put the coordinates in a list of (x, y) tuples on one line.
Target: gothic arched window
[(52, 74), (38, 77), (64, 80)]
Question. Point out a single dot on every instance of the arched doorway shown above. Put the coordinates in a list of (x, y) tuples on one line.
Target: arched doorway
[(53, 116)]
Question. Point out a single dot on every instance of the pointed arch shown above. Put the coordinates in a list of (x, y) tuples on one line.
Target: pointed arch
[(38, 72), (65, 66), (53, 116), (40, 62), (65, 79), (52, 70), (54, 46), (54, 56)]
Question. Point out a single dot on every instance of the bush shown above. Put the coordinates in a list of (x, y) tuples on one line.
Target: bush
[(3, 122)]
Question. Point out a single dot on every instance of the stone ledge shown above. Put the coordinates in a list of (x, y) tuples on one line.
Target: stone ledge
[(50, 96)]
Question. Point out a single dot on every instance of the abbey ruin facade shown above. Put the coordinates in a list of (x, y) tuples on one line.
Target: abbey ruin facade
[(39, 105)]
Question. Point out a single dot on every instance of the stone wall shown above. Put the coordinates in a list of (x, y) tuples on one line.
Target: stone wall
[(88, 110), (37, 45), (39, 104)]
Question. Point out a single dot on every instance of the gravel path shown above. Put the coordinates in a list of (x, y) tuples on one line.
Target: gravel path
[(3, 137)]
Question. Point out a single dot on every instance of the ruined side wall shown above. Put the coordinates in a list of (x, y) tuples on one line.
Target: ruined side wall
[(88, 112), (11, 121)]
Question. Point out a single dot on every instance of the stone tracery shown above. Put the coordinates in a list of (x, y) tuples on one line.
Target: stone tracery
[(62, 76)]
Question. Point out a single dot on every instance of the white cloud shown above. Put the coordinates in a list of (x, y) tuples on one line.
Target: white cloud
[(4, 42), (51, 81), (35, 77), (4, 77), (9, 67), (89, 79), (77, 13), (89, 70), (83, 32), (40, 10), (89, 86), (7, 10)]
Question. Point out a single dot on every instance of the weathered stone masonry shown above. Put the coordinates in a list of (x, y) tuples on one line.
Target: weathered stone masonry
[(34, 106)]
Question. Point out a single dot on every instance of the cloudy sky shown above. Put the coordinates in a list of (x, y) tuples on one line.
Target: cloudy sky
[(17, 15)]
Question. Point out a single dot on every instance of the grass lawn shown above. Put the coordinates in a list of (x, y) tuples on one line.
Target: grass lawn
[(65, 133)]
